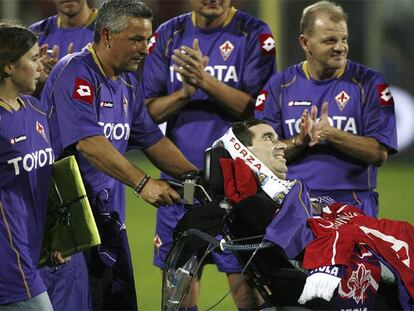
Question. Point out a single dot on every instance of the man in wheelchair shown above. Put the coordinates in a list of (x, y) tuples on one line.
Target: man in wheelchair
[(342, 251)]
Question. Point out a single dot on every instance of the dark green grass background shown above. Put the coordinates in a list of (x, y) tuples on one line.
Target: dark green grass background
[(395, 186)]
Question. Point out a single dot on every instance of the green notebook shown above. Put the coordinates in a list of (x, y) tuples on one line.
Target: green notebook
[(70, 225)]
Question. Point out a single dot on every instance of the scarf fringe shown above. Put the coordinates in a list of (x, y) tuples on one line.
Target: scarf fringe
[(319, 285)]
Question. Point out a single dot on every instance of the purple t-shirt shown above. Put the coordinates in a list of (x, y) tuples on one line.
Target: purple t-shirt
[(26, 159), (83, 102), (241, 54), (49, 31), (360, 103)]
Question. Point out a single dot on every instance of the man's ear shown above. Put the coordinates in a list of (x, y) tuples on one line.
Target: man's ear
[(304, 43), (106, 36), (8, 69)]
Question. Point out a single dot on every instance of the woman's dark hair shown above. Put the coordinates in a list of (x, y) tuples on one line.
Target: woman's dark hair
[(242, 131), (15, 41)]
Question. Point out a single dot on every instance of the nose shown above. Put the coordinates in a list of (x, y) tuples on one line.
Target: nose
[(281, 145), (144, 47), (39, 66), (339, 46)]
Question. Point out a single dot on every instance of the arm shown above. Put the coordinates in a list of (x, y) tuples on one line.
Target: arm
[(366, 149), (168, 158), (156, 71), (162, 108), (101, 154)]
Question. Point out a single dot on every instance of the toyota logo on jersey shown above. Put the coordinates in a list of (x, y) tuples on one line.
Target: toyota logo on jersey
[(260, 101), (384, 94), (267, 43), (83, 91)]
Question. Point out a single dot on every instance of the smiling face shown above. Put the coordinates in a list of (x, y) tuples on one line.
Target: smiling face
[(70, 7), (129, 47), (210, 8), (326, 45), (269, 149), (25, 72)]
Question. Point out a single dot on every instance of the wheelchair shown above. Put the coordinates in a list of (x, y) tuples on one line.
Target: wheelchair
[(241, 228)]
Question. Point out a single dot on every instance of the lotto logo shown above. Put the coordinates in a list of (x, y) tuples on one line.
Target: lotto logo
[(152, 41), (260, 101), (267, 43), (18, 139), (83, 91), (384, 94)]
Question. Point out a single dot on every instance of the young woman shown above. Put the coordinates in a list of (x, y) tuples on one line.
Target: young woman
[(26, 158)]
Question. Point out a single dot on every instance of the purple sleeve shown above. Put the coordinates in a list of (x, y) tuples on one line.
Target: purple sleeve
[(267, 105), (378, 113), (261, 59), (144, 132), (156, 66), (74, 99)]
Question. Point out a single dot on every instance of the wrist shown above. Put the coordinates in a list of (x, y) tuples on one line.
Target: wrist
[(295, 141), (205, 80), (138, 189)]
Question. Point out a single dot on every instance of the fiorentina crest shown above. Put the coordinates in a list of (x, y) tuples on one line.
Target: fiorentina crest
[(225, 49), (342, 99), (41, 130)]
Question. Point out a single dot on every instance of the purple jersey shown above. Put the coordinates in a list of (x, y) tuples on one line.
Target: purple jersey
[(50, 31), (84, 103), (360, 103), (241, 54), (26, 160)]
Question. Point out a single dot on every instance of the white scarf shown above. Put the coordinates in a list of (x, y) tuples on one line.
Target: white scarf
[(274, 187)]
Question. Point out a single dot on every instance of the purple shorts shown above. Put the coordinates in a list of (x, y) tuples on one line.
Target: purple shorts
[(167, 219), (68, 284)]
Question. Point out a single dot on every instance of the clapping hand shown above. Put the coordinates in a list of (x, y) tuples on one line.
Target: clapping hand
[(49, 58), (190, 64), (322, 129)]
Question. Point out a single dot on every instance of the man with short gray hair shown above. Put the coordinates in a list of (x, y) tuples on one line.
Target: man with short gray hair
[(98, 113)]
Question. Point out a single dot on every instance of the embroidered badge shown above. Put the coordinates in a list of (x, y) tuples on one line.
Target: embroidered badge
[(157, 243), (41, 130), (384, 94), (225, 49), (152, 41), (261, 99), (342, 99), (299, 103), (18, 139), (106, 104), (267, 43), (125, 104), (83, 91)]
